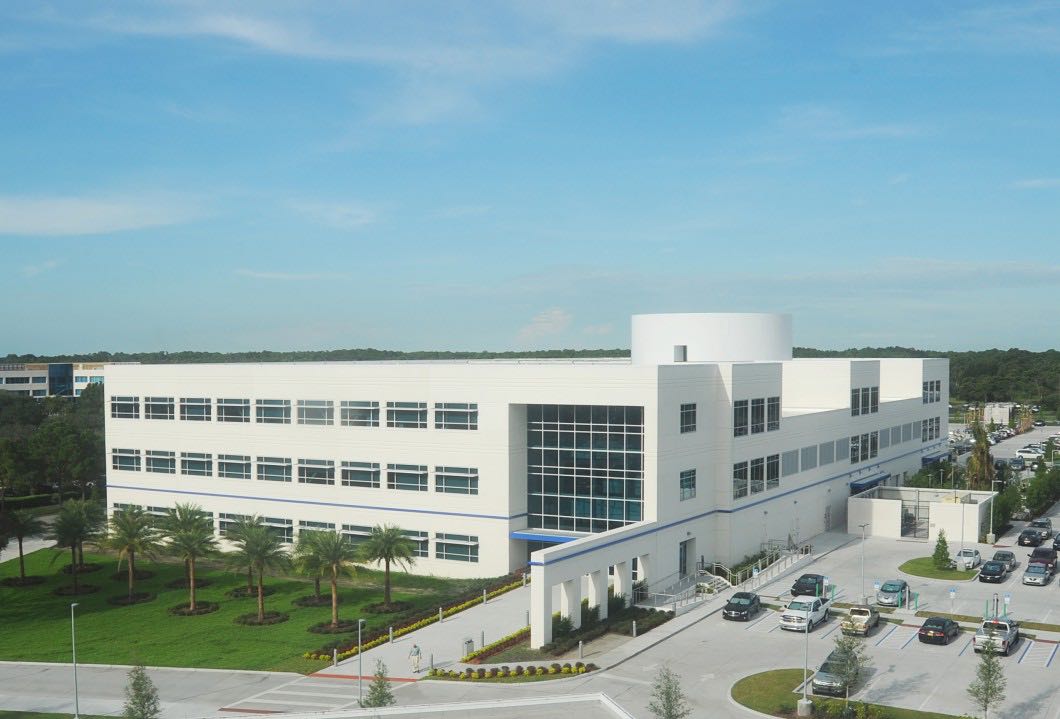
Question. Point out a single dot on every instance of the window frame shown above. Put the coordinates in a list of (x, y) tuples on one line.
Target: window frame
[(686, 483), (687, 417), (741, 418)]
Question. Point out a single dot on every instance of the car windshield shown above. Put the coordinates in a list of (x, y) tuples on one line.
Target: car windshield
[(799, 606), (935, 623), (1036, 569), (742, 601), (1029, 533), (829, 668), (995, 626), (859, 612), (1003, 556), (993, 567), (891, 587), (1039, 523)]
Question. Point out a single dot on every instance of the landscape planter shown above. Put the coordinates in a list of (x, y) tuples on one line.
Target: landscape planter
[(251, 620), (181, 610), (125, 600)]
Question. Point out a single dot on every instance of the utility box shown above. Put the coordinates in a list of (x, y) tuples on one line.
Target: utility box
[(469, 646)]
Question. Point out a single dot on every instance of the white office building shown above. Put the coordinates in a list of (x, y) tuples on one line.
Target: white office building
[(707, 443), (50, 379)]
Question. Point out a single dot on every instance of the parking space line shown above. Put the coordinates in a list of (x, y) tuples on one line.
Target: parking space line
[(1030, 643), (1051, 655), (834, 627), (965, 648), (911, 638), (765, 616), (884, 637)]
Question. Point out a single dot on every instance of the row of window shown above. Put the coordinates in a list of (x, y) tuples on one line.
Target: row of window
[(755, 476), (88, 379), (864, 400), (410, 477), (455, 547), (932, 391), (757, 415), (30, 393), (930, 429), (352, 413), (24, 380)]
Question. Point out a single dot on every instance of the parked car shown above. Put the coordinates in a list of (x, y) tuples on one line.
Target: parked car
[(1036, 574), (938, 630), (1026, 453), (993, 572), (1029, 538), (1056, 541), (803, 610), (1007, 558), (1017, 463), (1002, 634), (968, 558), (861, 620), (742, 606), (893, 593), (1038, 422), (808, 585), (1043, 555), (828, 678), (1044, 525)]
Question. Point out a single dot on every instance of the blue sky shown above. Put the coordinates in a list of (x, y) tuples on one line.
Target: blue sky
[(516, 175)]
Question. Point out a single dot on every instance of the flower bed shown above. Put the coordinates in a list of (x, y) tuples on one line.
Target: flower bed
[(374, 639), (500, 645), (552, 671)]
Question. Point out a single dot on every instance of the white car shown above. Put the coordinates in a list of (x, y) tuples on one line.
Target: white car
[(803, 609), (1028, 453), (968, 558)]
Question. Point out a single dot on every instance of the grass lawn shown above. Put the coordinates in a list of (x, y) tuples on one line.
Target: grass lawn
[(773, 693), (44, 715), (521, 653), (36, 623), (925, 567)]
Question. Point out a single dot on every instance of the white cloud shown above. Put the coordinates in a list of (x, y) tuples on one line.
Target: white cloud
[(342, 216), (599, 330), (547, 323), (824, 122), (58, 216), (634, 21), (288, 276), (39, 269), (1037, 183)]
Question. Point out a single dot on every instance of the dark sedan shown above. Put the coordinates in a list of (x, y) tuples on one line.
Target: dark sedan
[(1030, 538), (938, 630), (742, 606), (993, 572)]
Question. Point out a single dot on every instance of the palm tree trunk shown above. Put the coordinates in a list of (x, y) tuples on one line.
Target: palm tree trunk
[(81, 553), (132, 573), (73, 567), (386, 583), (316, 587), (250, 580), (191, 585), (187, 570), (21, 561), (261, 596), (334, 600)]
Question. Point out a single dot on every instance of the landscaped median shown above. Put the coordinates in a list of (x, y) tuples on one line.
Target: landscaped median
[(773, 693), (518, 673), (925, 567)]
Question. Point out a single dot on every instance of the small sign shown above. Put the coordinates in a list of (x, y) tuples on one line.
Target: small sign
[(953, 592), (876, 585), (754, 572), (827, 581), (1008, 598)]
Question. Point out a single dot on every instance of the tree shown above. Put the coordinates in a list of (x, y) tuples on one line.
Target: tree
[(141, 696), (987, 690), (22, 524), (379, 693), (668, 700), (849, 660), (237, 534), (264, 552), (132, 532), (307, 559), (389, 545), (189, 532), (337, 556), (941, 557), (979, 471), (73, 526)]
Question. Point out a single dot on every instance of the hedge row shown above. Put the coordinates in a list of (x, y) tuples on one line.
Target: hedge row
[(494, 647), (516, 671), (29, 501)]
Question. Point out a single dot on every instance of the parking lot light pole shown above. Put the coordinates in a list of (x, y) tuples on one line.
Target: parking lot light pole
[(805, 707), (990, 538), (360, 661), (864, 598), (73, 647)]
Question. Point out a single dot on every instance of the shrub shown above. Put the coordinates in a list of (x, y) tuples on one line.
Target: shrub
[(481, 673), (540, 671), (518, 670)]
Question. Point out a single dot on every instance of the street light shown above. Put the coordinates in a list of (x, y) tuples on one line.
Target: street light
[(360, 663), (863, 597), (73, 647)]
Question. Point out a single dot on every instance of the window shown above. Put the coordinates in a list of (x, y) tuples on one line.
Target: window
[(926, 393), (772, 471), (925, 430), (159, 512), (758, 475), (874, 399), (274, 469), (162, 462), (688, 418), (273, 411), (283, 529), (687, 484), (316, 411), (226, 522), (826, 453), (874, 444), (450, 415), (855, 451), (95, 379), (316, 471), (17, 380), (842, 448), (360, 474), (739, 418), (233, 466), (758, 416), (121, 507), (739, 480), (808, 459), (195, 464), (410, 477), (457, 547), (124, 407), (158, 408), (195, 409), (419, 541), (938, 390), (789, 463), (456, 480), (772, 414), (885, 438), (411, 415), (79, 379), (44, 380), (866, 401), (359, 414), (305, 525), (44, 392), (896, 435), (864, 448), (127, 460), (356, 533), (233, 410), (855, 402), (907, 431)]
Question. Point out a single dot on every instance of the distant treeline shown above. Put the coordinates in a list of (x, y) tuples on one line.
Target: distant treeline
[(985, 375)]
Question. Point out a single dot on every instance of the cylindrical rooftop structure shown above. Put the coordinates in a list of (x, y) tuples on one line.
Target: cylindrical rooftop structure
[(711, 337)]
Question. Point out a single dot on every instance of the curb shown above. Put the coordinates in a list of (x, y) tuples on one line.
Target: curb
[(256, 672)]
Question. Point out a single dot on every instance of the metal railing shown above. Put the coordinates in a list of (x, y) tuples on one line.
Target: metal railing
[(777, 557)]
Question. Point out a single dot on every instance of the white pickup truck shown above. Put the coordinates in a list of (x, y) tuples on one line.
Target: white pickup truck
[(801, 610), (1003, 634)]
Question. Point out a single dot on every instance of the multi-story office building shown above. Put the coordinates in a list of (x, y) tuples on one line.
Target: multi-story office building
[(709, 441), (43, 379)]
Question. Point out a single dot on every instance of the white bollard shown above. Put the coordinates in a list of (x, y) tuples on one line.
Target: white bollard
[(391, 635)]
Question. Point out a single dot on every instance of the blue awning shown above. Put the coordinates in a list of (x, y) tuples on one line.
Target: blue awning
[(934, 457), (860, 485), (536, 536)]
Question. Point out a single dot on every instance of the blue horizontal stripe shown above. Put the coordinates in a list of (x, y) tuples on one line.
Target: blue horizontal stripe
[(320, 504), (535, 537)]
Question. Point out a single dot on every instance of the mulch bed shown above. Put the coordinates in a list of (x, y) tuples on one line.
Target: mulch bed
[(344, 625), (68, 590), (242, 593), (251, 620), (125, 600), (29, 581), (138, 574), (182, 583), (313, 601), (86, 568), (383, 609), (181, 610)]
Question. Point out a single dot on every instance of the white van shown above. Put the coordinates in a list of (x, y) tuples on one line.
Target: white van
[(1029, 453)]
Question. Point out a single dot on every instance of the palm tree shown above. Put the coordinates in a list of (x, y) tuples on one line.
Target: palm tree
[(389, 545), (94, 518), (237, 534), (337, 556), (21, 524), (264, 552), (307, 559), (980, 468), (132, 532), (190, 534), (71, 528)]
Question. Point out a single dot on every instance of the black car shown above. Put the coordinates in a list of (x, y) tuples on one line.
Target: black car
[(1030, 538), (993, 572), (808, 585), (742, 606), (1056, 542), (938, 630), (1043, 555)]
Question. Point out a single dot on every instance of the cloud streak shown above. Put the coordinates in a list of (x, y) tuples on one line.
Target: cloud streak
[(545, 324), (287, 276), (50, 216), (1037, 183)]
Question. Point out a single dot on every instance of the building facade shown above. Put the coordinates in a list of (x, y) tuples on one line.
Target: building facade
[(50, 379), (708, 442)]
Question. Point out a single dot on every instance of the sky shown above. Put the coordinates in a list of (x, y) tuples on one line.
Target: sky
[(203, 175)]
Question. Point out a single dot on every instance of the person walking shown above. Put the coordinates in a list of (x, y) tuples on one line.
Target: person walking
[(414, 658)]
